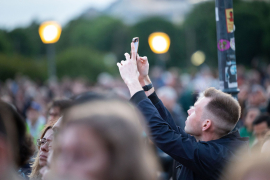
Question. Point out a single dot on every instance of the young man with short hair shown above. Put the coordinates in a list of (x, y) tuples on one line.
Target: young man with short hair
[(206, 144), (261, 125)]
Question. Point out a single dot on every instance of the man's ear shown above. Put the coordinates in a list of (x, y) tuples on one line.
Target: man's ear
[(206, 124)]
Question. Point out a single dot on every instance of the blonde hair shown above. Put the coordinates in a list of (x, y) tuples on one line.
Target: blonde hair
[(35, 174), (248, 165)]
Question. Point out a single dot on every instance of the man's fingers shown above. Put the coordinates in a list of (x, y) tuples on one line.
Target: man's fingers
[(119, 65), (133, 51), (127, 56), (138, 57), (122, 62), (144, 58)]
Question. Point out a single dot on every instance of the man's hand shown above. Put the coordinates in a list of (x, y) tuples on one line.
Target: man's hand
[(129, 72), (143, 66)]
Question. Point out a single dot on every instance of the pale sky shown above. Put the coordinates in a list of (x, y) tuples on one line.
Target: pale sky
[(20, 13)]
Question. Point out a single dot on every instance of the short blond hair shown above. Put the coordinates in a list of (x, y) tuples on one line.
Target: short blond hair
[(224, 109)]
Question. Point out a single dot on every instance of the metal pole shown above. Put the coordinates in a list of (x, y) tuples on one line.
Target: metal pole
[(226, 47), (51, 61)]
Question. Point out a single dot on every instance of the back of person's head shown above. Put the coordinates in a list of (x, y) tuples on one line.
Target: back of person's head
[(13, 134), (223, 109), (103, 140), (87, 97), (248, 166)]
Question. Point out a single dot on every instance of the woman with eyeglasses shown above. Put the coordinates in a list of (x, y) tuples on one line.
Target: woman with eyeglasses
[(44, 147)]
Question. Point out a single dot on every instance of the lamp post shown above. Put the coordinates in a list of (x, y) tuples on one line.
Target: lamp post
[(159, 43), (50, 32), (226, 47)]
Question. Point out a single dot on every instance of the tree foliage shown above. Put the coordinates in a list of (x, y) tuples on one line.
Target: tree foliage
[(84, 42)]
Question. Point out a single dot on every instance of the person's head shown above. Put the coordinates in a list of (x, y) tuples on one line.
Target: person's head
[(45, 170), (33, 112), (250, 115), (260, 126), (257, 96), (44, 145), (214, 114), (168, 96), (103, 143), (248, 166), (56, 109), (16, 146)]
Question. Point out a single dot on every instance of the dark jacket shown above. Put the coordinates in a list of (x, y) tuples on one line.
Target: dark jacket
[(200, 160)]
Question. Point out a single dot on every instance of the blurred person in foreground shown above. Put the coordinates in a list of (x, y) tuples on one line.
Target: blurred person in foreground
[(261, 126), (35, 121), (247, 129), (207, 143), (16, 145), (44, 145), (56, 109), (248, 166), (102, 140)]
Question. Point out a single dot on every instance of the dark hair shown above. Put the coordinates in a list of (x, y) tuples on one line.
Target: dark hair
[(262, 118), (87, 97), (62, 104), (13, 129), (225, 109)]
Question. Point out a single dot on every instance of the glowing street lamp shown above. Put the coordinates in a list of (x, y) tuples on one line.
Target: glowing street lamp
[(159, 42), (197, 58), (50, 32)]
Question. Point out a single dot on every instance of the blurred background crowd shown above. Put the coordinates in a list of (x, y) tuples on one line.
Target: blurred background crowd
[(93, 42)]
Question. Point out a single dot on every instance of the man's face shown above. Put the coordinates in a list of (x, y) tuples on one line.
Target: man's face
[(250, 117), (260, 130), (194, 121), (54, 114), (32, 115)]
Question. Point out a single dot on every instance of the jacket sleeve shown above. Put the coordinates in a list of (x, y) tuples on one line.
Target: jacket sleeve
[(163, 111), (178, 144)]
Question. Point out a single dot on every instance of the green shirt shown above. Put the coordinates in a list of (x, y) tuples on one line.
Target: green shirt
[(245, 133)]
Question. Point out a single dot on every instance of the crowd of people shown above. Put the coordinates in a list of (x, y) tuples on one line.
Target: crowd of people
[(72, 129)]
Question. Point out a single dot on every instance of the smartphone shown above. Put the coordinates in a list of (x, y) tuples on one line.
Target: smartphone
[(136, 44)]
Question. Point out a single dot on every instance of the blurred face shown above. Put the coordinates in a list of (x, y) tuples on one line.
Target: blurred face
[(168, 103), (54, 114), (32, 115), (251, 115), (81, 154), (45, 148), (260, 130), (194, 119), (46, 169)]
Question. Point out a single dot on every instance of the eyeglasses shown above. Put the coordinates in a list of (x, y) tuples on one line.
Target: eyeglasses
[(42, 141)]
